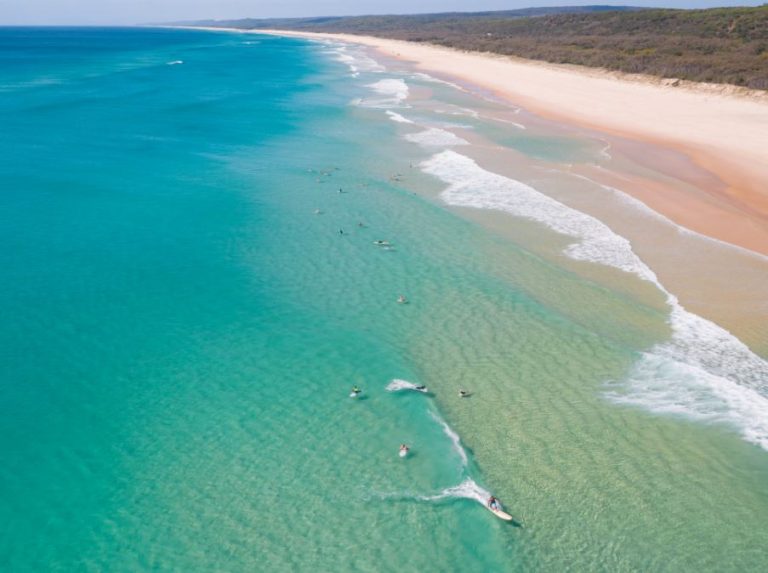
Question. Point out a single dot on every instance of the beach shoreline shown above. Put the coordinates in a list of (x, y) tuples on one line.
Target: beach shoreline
[(723, 130)]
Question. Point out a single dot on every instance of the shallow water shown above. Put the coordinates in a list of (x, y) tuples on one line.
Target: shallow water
[(183, 322)]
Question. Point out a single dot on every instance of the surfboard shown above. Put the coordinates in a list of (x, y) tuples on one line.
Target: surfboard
[(403, 453), (501, 514)]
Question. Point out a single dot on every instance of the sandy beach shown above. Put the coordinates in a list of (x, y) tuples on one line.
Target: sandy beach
[(722, 129)]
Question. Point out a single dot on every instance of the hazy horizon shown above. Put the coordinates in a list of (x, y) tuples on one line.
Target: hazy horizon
[(128, 12)]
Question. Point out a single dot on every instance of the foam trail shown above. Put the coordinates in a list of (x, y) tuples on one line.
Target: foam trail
[(468, 489), (435, 137), (705, 371), (454, 437), (397, 385)]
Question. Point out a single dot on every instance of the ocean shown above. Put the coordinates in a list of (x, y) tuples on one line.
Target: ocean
[(205, 235)]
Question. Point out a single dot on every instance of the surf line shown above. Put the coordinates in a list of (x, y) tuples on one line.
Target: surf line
[(701, 359)]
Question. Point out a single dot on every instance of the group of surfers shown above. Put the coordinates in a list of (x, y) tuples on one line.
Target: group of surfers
[(492, 502)]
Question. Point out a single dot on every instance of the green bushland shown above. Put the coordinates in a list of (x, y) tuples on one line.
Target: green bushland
[(721, 45)]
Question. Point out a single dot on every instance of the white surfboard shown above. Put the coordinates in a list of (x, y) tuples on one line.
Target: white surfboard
[(501, 514)]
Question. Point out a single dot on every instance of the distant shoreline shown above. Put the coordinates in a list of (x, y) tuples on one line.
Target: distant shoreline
[(723, 129)]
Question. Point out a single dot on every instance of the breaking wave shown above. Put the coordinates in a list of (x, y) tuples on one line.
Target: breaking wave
[(435, 137), (391, 93), (703, 371), (354, 58), (455, 440), (396, 117)]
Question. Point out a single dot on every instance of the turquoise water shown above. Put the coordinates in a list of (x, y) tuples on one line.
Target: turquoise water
[(182, 327)]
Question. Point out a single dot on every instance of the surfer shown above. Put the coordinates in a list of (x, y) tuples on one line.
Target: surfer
[(421, 388), (403, 450), (401, 299), (494, 504), (356, 391), (463, 394)]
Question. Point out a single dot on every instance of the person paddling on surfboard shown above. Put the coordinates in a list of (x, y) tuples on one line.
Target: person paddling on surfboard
[(356, 390), (494, 504)]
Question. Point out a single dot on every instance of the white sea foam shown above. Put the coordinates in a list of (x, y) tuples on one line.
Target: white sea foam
[(435, 137), (353, 57), (391, 93), (462, 111), (640, 206), (396, 385), (468, 489), (471, 186), (396, 117), (434, 80), (175, 62), (703, 371), (454, 437), (450, 125), (35, 83), (665, 385), (509, 122)]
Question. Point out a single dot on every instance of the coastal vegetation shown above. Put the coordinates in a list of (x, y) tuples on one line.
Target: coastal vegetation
[(719, 45)]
